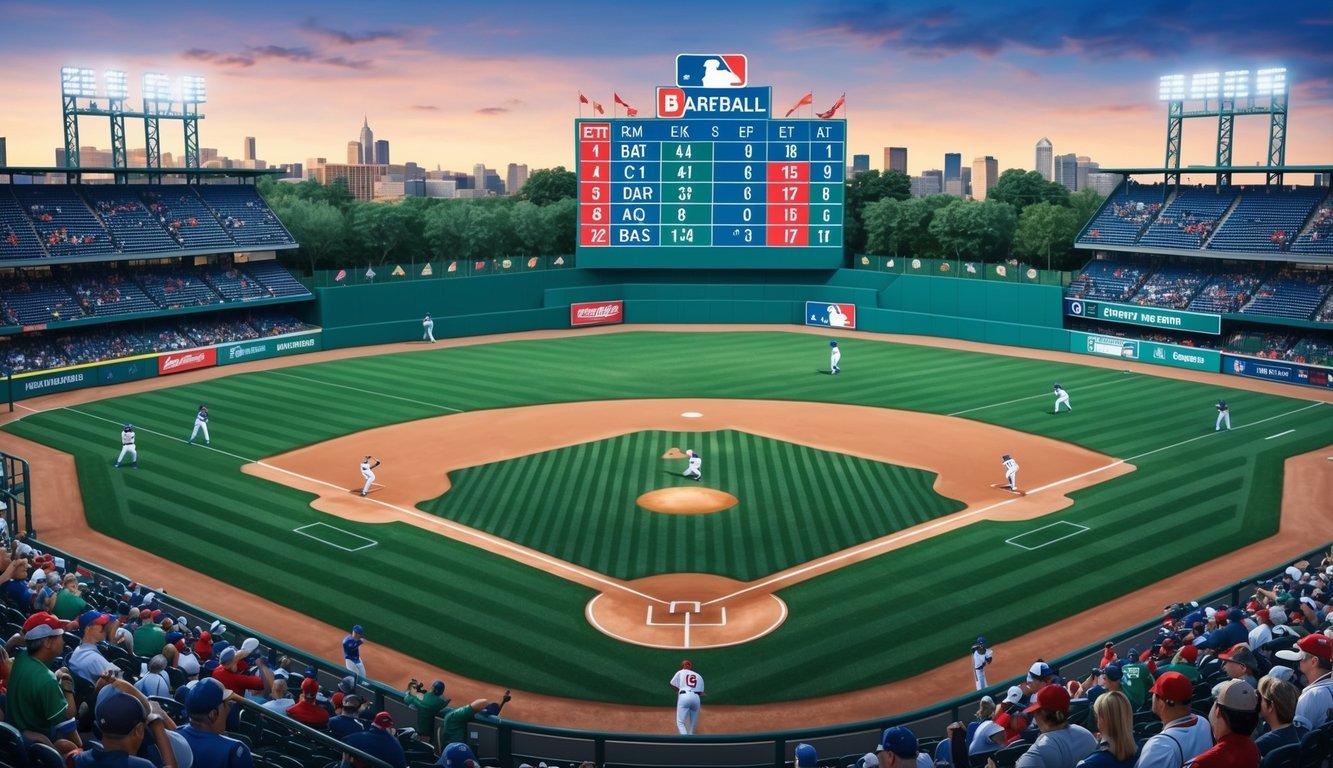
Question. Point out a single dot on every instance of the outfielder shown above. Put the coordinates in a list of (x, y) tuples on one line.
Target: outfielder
[(835, 357), (1223, 416), (1010, 472), (694, 469), (127, 446), (689, 687), (1061, 398), (368, 465), (428, 329), (981, 656), (200, 422)]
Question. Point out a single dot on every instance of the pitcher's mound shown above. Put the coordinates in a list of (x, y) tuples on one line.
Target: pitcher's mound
[(674, 453), (687, 501)]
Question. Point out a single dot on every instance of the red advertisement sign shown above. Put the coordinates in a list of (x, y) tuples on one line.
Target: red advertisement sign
[(596, 313), (177, 362)]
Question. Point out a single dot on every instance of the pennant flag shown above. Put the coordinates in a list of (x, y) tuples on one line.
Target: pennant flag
[(453, 267), (582, 99), (597, 108), (805, 101), (532, 262), (836, 106), (398, 271), (631, 111), (370, 273), (341, 274), (560, 261), (426, 271)]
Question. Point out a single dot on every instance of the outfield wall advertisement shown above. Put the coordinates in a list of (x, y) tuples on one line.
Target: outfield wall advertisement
[(1153, 317), (830, 314), (596, 313), (259, 349), (1146, 351), (80, 376), (1274, 370)]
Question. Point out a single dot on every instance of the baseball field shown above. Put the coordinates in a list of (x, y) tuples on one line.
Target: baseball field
[(855, 537)]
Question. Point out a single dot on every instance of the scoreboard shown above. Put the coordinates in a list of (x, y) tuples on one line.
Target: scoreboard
[(715, 192)]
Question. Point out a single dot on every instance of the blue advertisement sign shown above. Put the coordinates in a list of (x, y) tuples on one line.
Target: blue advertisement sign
[(1273, 370), (830, 314)]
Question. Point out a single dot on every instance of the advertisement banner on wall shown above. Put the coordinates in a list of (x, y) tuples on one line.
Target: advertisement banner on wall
[(1146, 351), (277, 346), (1153, 317), (90, 375), (828, 314), (1273, 370), (596, 313), (189, 360)]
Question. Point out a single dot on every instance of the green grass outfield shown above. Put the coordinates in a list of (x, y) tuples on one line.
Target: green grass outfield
[(1195, 496)]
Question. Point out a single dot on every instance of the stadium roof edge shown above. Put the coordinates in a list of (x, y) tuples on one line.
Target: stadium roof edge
[(1223, 169), (24, 170)]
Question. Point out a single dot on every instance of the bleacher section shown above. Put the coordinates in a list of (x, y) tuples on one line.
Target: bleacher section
[(1189, 219), (1265, 219), (1228, 291), (245, 216), (178, 288), (1108, 280), (63, 222), (276, 278), (1291, 293), (1171, 286), (33, 301), (109, 293), (133, 229), (186, 218), (234, 285), (1319, 237), (1124, 216), (18, 240)]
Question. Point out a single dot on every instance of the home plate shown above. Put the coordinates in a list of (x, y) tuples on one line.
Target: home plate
[(692, 415)]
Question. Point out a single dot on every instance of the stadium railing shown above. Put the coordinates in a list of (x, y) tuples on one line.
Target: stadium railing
[(511, 741)]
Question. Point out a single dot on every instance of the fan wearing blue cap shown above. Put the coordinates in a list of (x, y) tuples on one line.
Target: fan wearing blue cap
[(457, 755), (208, 704), (897, 747), (428, 702), (805, 756), (127, 447), (87, 660), (352, 652), (981, 656)]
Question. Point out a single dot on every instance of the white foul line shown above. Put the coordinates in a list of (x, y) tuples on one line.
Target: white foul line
[(1280, 434), (1033, 397)]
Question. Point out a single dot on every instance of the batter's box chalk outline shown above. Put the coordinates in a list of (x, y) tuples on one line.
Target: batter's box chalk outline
[(302, 530), (687, 624), (1062, 523)]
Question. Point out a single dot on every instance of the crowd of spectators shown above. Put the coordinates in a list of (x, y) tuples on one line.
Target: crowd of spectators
[(1228, 291), (1171, 287), (47, 350), (1111, 280), (1135, 212)]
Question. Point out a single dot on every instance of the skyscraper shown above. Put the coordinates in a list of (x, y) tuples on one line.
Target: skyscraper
[(966, 180), (3, 160), (1045, 159), (382, 152), (860, 164), (367, 143), (985, 172), (516, 175), (953, 164), (1085, 165), (895, 159), (248, 151), (353, 153), (1066, 171)]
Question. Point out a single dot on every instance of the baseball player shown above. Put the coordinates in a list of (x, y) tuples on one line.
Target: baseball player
[(127, 446), (1061, 398), (834, 357), (368, 465), (696, 463), (981, 656), (1223, 416), (689, 687), (428, 329), (352, 650), (200, 422), (1010, 472)]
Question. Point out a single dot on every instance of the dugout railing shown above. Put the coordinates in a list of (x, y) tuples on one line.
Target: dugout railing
[(509, 743)]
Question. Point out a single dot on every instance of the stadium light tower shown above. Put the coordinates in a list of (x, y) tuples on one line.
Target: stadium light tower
[(156, 101), (193, 94), (75, 83), (117, 91), (1224, 95)]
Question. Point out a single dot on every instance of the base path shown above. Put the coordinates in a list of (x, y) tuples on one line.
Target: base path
[(1307, 486)]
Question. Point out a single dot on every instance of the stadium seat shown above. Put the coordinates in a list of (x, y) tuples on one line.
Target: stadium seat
[(1283, 757), (173, 708), (1316, 747), (1008, 756), (44, 756), (11, 746)]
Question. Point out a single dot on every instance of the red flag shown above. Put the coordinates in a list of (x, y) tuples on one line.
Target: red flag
[(341, 274), (631, 111), (806, 100), (836, 106), (597, 108), (582, 99)]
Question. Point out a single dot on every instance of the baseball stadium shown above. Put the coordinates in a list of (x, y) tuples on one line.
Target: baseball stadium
[(499, 499)]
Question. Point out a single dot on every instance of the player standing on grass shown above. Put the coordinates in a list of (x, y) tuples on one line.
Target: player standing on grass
[(1223, 416), (200, 422), (368, 465), (127, 446), (1061, 398), (834, 357)]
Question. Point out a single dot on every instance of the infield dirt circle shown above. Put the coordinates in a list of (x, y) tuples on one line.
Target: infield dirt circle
[(687, 501)]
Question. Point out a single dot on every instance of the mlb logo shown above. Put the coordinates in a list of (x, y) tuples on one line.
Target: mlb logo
[(711, 70)]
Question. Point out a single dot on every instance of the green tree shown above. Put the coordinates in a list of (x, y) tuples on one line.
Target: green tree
[(548, 185), (863, 189), (561, 219), (1021, 188), (967, 229), (380, 230), (320, 229), (1045, 229), (1085, 203)]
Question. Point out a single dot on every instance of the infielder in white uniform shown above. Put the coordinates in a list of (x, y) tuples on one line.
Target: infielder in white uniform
[(200, 422), (689, 687), (1010, 472), (834, 357), (127, 446), (694, 470), (981, 656), (1223, 416), (1061, 398), (368, 465), (428, 329)]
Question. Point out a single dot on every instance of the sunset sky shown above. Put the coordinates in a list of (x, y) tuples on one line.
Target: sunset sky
[(453, 84)]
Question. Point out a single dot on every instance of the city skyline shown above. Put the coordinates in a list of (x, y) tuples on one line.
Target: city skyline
[(459, 86)]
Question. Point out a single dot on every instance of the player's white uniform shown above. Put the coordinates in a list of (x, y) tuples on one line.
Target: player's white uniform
[(979, 661), (1223, 416), (428, 329), (368, 472), (689, 684), (127, 447), (835, 357), (200, 422), (694, 470), (1011, 473), (1061, 398)]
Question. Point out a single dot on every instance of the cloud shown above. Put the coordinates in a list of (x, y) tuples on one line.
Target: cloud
[(221, 59), (352, 38), (257, 53), (425, 107), (491, 111)]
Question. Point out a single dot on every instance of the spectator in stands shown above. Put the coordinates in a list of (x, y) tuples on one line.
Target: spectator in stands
[(1115, 726), (1183, 663), (1184, 735), (1315, 656), (898, 749), (279, 699), (1061, 744), (156, 682), (69, 602), (307, 711), (87, 660), (379, 741), (228, 673), (1040, 675), (208, 705), (428, 704), (1277, 708), (1263, 629), (1234, 716), (40, 703), (1103, 681), (1240, 664), (125, 723), (149, 638), (455, 723), (347, 723)]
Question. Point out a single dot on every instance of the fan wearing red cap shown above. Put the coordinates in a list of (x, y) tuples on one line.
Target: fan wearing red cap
[(1314, 657), (1060, 742), (1184, 735), (307, 710), (378, 741), (40, 700)]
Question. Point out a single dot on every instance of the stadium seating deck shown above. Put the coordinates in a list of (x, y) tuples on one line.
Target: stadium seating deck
[(234, 285), (32, 301), (1108, 280), (1265, 219), (276, 278), (1189, 219), (1125, 215), (18, 240), (1228, 291), (1171, 286), (185, 216), (244, 215), (133, 228), (62, 220), (1291, 293), (111, 293), (1319, 237), (178, 288)]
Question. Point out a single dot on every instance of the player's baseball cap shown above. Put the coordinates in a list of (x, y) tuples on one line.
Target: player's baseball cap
[(898, 740), (833, 343), (357, 629), (805, 756), (1238, 695), (981, 640), (42, 625), (1052, 698), (686, 664), (1319, 646), (1174, 687), (457, 755)]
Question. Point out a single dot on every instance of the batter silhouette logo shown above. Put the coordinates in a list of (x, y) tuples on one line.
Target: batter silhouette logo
[(711, 70)]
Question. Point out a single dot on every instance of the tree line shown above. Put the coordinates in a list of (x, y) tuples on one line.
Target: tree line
[(1023, 216)]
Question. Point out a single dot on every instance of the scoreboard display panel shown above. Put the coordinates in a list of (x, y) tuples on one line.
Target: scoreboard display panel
[(711, 192)]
